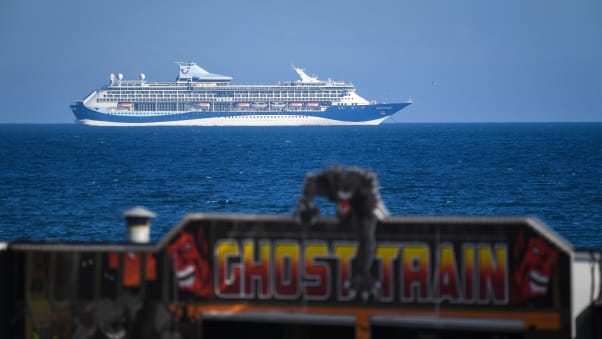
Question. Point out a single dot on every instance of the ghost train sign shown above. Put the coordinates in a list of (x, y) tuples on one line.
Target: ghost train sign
[(477, 268), (453, 270)]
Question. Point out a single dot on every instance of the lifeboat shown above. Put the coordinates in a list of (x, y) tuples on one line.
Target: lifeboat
[(312, 104), (243, 105), (125, 104), (295, 104), (260, 105), (204, 104), (278, 105)]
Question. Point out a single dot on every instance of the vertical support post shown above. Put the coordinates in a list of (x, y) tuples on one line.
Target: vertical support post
[(362, 325)]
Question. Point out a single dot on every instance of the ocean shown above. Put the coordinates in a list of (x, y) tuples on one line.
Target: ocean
[(72, 182)]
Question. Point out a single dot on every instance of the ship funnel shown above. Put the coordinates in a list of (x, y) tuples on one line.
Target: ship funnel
[(192, 71), (142, 76), (120, 76), (137, 221)]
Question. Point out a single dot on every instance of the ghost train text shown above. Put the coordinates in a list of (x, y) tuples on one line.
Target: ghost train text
[(415, 272)]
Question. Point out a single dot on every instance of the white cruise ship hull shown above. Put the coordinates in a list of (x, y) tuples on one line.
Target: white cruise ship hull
[(373, 114)]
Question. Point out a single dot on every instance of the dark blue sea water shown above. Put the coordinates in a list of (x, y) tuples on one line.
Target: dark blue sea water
[(72, 182)]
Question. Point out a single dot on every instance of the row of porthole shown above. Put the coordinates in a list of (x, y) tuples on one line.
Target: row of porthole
[(222, 94), (266, 116)]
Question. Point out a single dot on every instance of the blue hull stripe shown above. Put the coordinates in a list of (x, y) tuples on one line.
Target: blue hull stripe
[(358, 113)]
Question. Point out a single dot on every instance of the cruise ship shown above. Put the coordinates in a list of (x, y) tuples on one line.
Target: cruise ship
[(200, 98)]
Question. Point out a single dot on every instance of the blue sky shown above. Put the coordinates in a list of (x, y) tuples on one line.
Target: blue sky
[(459, 61)]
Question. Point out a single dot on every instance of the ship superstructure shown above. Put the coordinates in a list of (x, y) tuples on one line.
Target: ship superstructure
[(199, 97)]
